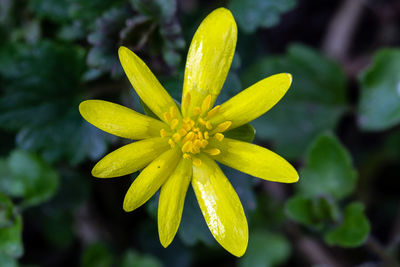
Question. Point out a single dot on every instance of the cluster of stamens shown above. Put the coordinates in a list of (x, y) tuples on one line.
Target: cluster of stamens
[(192, 134)]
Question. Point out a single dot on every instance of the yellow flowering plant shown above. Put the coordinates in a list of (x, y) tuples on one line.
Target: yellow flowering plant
[(181, 147)]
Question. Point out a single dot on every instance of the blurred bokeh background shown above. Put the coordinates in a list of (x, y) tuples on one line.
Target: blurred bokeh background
[(338, 124)]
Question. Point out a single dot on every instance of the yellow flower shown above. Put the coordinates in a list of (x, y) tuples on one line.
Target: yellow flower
[(181, 147)]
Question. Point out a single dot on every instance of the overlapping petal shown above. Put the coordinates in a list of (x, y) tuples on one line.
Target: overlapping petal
[(146, 84), (172, 198), (220, 206), (253, 101), (209, 58), (119, 120), (130, 158), (151, 179), (254, 160)]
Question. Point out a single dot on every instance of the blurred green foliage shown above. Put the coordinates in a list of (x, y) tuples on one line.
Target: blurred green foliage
[(341, 133)]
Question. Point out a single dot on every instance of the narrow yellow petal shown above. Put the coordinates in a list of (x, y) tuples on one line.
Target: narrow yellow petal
[(254, 160), (253, 101), (209, 58), (145, 83), (130, 158), (151, 179), (119, 120), (172, 198), (220, 206)]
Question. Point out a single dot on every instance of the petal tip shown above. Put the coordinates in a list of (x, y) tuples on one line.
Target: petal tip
[(290, 77)]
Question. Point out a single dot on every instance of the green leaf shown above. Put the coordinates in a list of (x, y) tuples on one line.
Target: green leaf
[(379, 106), (311, 211), (328, 169), (265, 249), (8, 261), (244, 133), (96, 255), (254, 14), (28, 177), (313, 104), (354, 229), (10, 229), (45, 79), (133, 259)]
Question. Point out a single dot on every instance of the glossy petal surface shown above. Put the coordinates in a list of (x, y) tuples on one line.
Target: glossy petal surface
[(145, 83), (220, 206), (253, 101), (151, 179), (254, 160), (130, 158), (119, 120), (209, 58), (172, 198)]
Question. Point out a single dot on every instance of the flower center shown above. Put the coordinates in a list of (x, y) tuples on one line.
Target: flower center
[(192, 133)]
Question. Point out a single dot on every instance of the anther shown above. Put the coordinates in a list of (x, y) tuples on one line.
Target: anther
[(213, 151), (196, 111), (172, 111), (205, 106), (164, 133), (171, 143), (196, 162), (208, 125), (167, 117), (188, 137), (174, 123), (186, 156), (219, 136), (213, 112), (206, 136), (187, 146), (204, 143), (182, 132), (222, 127), (176, 137), (201, 121)]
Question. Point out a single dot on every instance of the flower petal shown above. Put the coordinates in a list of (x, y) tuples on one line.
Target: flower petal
[(253, 101), (172, 198), (254, 160), (209, 58), (146, 84), (119, 120), (151, 179), (220, 206), (130, 158)]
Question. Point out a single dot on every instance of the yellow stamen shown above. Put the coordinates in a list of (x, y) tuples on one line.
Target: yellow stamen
[(186, 156), (188, 137), (174, 123), (186, 101), (205, 106), (172, 111), (167, 117), (171, 143), (204, 143), (196, 130), (182, 132), (200, 135), (176, 137), (206, 135), (219, 136), (164, 133), (201, 121), (213, 112), (196, 162), (213, 151), (187, 120), (208, 125), (196, 111), (222, 127), (187, 146)]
